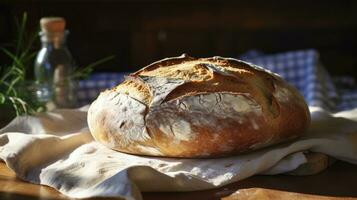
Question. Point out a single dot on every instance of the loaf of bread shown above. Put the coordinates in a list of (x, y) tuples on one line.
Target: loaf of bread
[(206, 107)]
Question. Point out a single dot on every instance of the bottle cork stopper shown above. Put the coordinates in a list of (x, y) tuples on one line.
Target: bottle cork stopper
[(52, 24)]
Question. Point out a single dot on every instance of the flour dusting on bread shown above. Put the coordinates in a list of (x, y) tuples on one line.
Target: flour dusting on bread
[(213, 107), (118, 116)]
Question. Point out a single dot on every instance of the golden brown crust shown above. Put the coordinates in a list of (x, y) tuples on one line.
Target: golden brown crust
[(192, 107)]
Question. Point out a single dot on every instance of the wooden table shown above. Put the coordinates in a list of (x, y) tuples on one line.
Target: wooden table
[(340, 179)]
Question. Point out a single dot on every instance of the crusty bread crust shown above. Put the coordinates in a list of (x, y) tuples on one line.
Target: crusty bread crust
[(207, 107)]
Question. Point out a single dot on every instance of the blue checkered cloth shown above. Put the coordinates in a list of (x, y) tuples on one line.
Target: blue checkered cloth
[(89, 89), (302, 69), (347, 89)]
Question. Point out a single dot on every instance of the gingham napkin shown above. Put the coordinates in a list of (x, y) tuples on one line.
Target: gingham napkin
[(89, 89), (347, 89), (303, 70)]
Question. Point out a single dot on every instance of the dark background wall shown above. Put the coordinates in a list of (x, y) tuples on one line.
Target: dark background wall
[(139, 32)]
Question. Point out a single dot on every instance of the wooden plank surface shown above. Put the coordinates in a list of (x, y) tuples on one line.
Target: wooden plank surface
[(339, 180)]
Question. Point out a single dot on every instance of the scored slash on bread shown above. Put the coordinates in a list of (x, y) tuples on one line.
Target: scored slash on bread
[(206, 107)]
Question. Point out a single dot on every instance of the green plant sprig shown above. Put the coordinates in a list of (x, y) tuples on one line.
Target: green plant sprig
[(13, 76), (83, 73)]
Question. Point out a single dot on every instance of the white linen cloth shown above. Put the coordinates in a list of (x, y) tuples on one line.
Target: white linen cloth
[(56, 149)]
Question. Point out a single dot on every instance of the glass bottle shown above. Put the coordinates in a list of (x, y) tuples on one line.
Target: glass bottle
[(54, 65)]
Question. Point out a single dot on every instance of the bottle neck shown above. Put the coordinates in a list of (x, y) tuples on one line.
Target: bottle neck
[(54, 40)]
